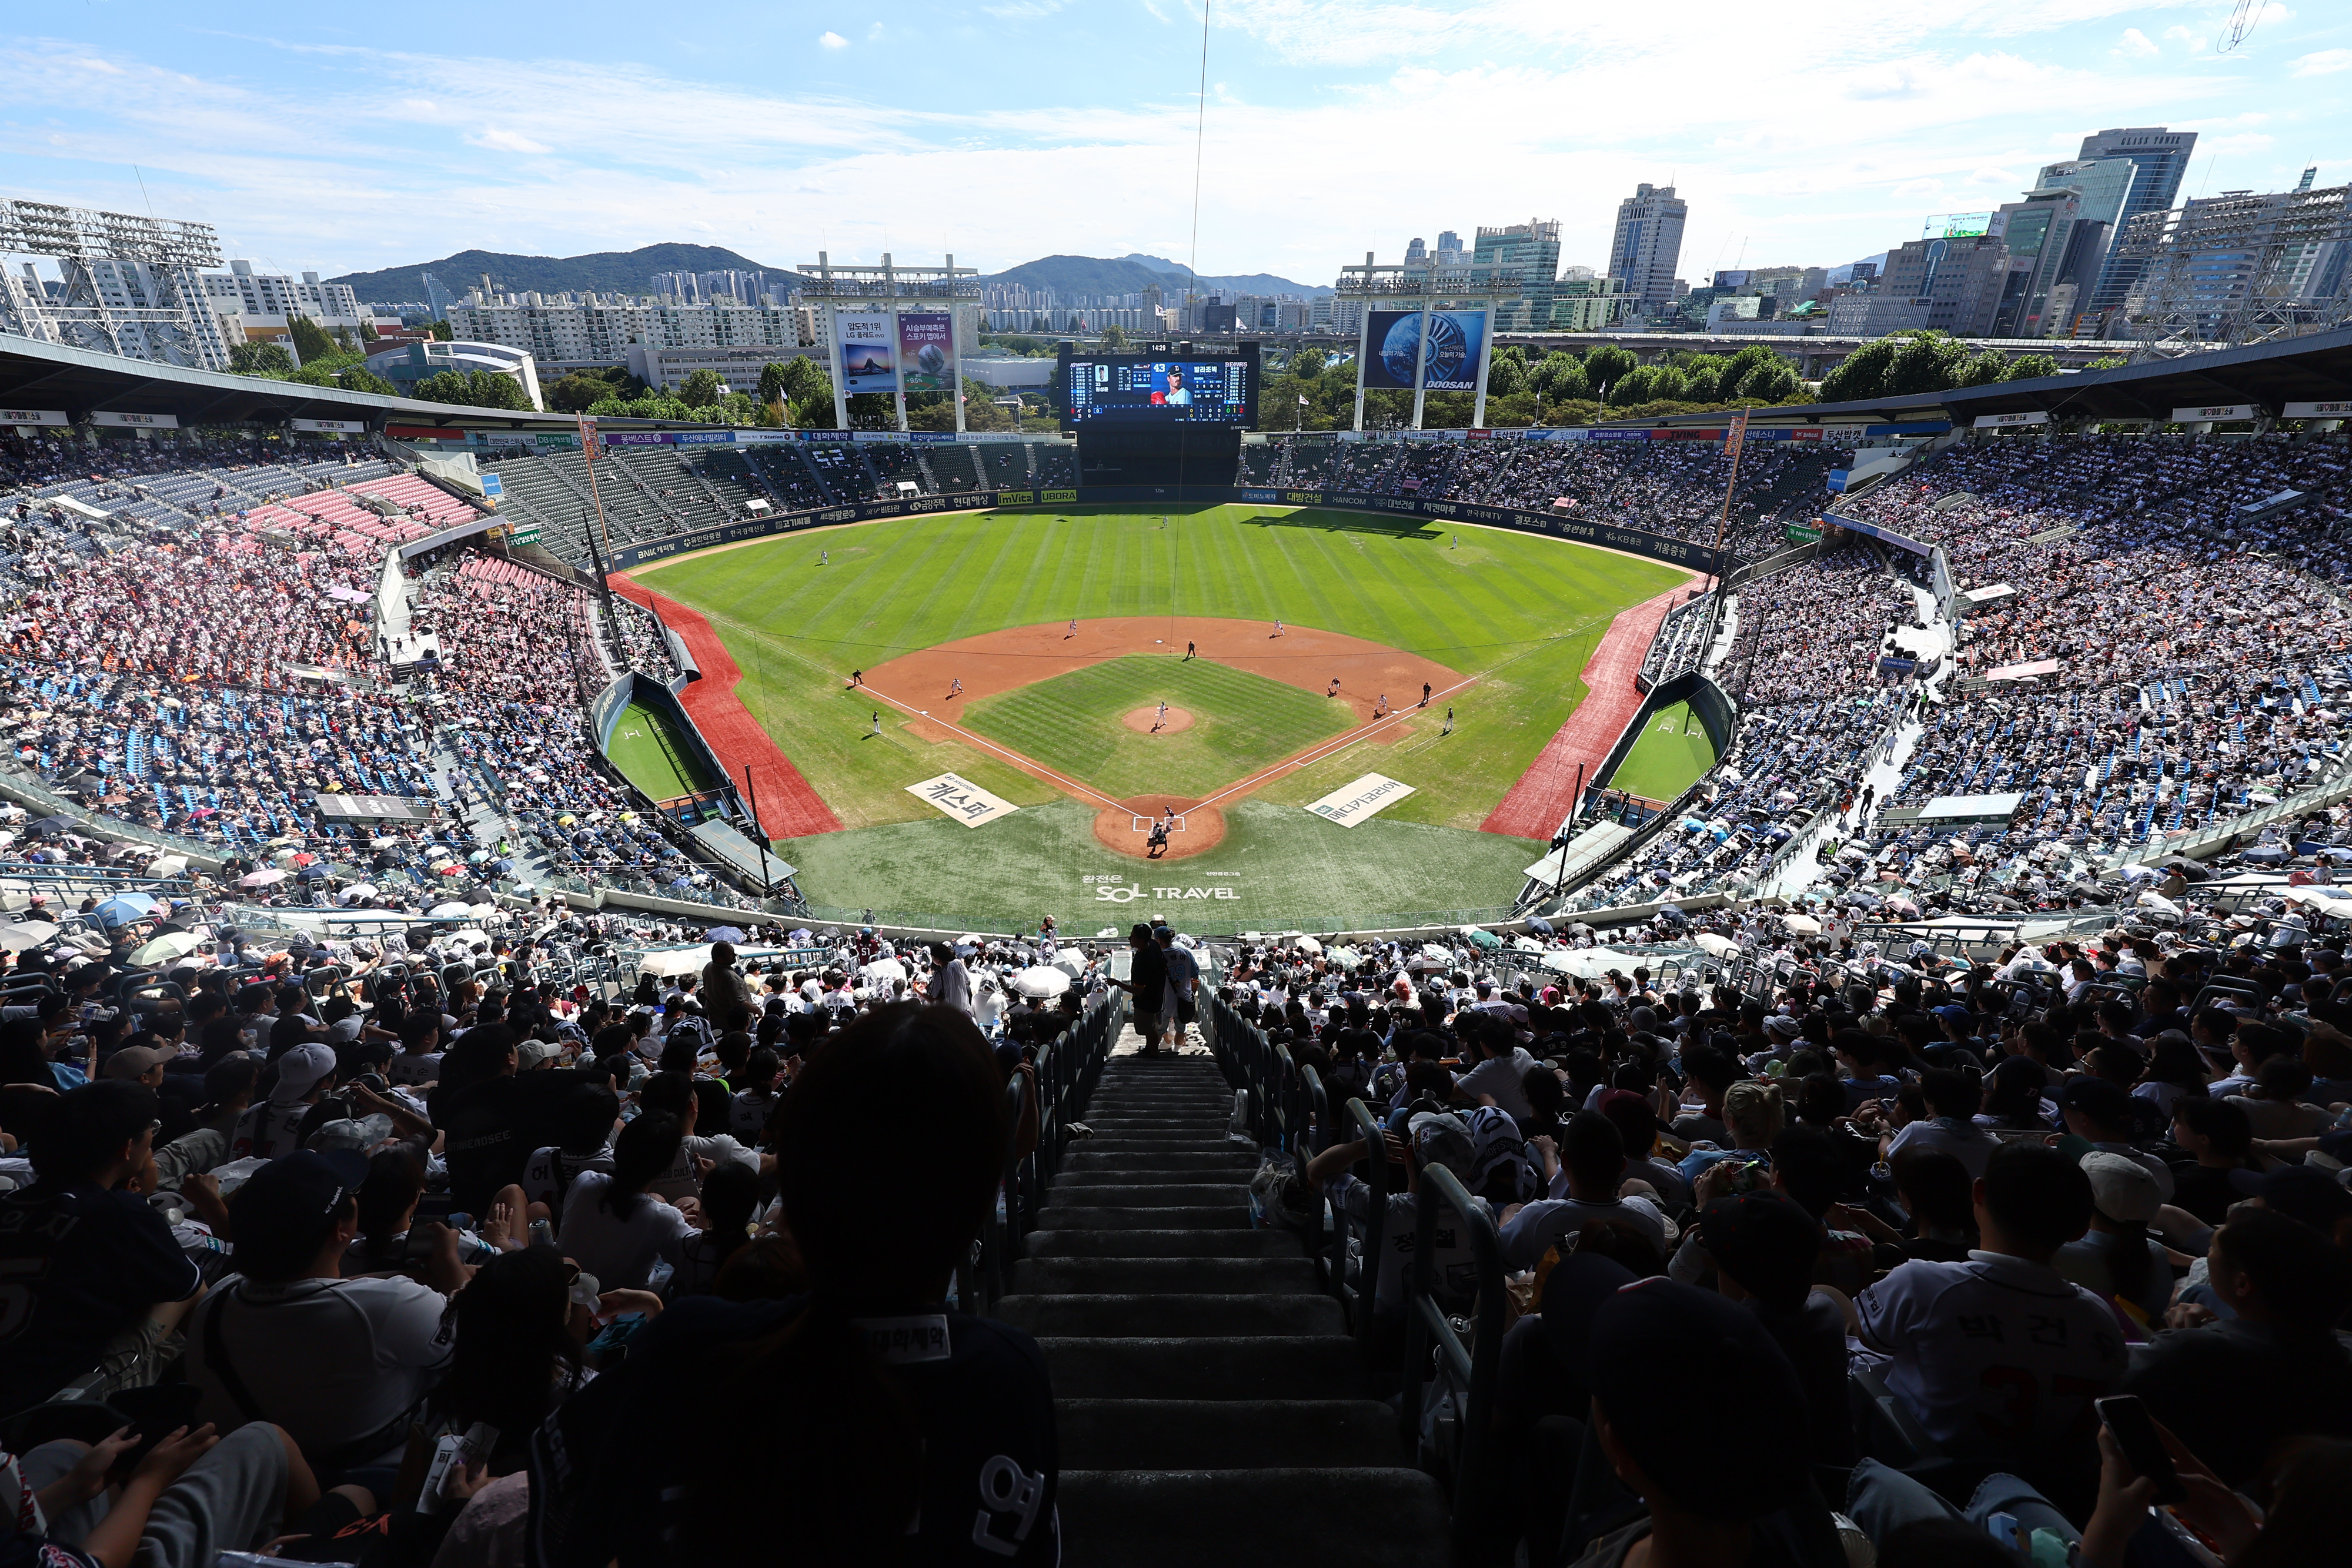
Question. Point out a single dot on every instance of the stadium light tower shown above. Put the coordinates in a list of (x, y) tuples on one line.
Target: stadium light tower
[(893, 311), (1417, 286), (131, 284)]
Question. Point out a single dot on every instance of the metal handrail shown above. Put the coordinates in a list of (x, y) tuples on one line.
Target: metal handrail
[(1473, 1366), (1367, 1292), (1067, 1069)]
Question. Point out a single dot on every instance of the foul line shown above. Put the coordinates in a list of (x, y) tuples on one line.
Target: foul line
[(1030, 763)]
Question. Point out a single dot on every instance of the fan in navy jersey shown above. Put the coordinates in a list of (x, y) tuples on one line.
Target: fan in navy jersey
[(864, 1422)]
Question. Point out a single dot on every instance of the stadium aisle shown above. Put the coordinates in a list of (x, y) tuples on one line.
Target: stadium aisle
[(1212, 1405)]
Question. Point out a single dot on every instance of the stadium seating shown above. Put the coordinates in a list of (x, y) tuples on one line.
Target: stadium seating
[(1006, 464)]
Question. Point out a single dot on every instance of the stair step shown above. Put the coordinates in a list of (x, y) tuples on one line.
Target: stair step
[(1161, 1243), (1103, 1195), (1367, 1518), (1212, 1158), (1148, 1172), (1063, 1215), (1315, 1365), (1180, 1434), (1177, 1122), (1115, 1315), (1170, 1143), (1163, 1276)]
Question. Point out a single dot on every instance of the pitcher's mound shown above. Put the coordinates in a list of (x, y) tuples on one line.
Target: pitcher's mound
[(1148, 719), (1116, 827)]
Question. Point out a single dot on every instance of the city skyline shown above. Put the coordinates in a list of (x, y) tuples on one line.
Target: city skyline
[(298, 136)]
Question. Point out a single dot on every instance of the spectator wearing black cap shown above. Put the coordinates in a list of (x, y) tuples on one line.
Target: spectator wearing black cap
[(1763, 1248), (1592, 1171), (2000, 1357), (2235, 1391), (2101, 1112), (1658, 1351), (340, 1363), (93, 1277)]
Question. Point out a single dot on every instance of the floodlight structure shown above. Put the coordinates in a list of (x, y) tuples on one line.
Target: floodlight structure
[(1420, 286), (888, 289), (131, 284), (2238, 268)]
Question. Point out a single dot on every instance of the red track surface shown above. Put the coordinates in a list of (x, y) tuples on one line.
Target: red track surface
[(788, 807), (1541, 799)]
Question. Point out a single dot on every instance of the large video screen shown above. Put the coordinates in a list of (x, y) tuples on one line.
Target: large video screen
[(1198, 386)]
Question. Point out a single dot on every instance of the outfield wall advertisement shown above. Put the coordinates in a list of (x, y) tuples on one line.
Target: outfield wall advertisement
[(1607, 535)]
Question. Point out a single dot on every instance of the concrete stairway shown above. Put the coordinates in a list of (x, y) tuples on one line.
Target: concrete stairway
[(1213, 1408)]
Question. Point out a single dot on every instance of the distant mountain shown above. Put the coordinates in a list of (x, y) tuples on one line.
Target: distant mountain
[(602, 272), (1135, 274)]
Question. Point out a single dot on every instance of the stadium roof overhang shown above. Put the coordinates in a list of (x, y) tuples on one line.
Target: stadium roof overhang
[(2313, 368), (81, 382)]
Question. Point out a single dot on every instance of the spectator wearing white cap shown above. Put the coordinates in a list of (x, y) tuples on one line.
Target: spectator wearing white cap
[(2117, 1257), (272, 1127)]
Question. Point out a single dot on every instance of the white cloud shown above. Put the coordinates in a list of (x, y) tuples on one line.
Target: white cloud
[(2135, 45), (497, 140), (831, 40), (2326, 63), (2184, 39)]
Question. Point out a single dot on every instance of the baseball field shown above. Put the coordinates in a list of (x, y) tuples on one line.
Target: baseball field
[(1030, 653)]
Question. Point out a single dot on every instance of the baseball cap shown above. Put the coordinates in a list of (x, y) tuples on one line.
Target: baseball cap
[(2123, 1189), (295, 1196), (1441, 1138), (529, 1053), (299, 1071), (132, 1060), (1658, 1350), (1767, 1244)]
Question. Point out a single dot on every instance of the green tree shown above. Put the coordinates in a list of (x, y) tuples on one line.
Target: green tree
[(310, 339), (1702, 376), (260, 360), (577, 393), (313, 375), (1752, 361), (1775, 383), (1668, 384), (1506, 374), (1635, 386), (2107, 362), (1983, 368), (1307, 364), (1565, 381), (359, 379), (699, 390), (1927, 361), (1114, 340), (472, 389), (2027, 366), (771, 383), (1606, 366), (440, 331), (367, 332), (1863, 374)]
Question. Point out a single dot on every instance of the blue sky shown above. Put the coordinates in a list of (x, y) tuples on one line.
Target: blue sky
[(318, 136)]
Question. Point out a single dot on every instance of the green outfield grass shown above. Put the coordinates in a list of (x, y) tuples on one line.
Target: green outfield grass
[(652, 755), (1519, 612), (1673, 750), (1074, 725), (1279, 866)]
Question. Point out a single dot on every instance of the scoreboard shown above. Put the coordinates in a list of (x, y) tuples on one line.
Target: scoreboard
[(1160, 387)]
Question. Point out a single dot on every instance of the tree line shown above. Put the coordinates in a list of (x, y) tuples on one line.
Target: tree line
[(1923, 359)]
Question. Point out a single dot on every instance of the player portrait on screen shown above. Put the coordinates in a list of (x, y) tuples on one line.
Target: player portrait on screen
[(1171, 389)]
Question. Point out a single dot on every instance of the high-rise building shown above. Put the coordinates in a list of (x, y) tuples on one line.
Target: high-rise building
[(437, 299), (2162, 157), (1532, 250), (1415, 250), (1648, 243), (1449, 249), (2240, 266), (2055, 252), (1956, 280)]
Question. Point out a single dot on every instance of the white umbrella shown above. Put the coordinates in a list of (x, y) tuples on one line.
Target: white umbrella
[(262, 878), (24, 934), (1802, 924), (675, 961), (167, 865), (164, 948), (1720, 946), (1437, 954), (1306, 945), (1347, 955), (455, 909), (2159, 902), (885, 969), (1074, 967), (358, 891), (1040, 981)]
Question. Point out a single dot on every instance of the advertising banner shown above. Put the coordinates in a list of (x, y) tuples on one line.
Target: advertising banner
[(329, 427), (137, 420), (2180, 415), (53, 417), (866, 362), (965, 801), (1393, 343), (1358, 800), (926, 351), (1457, 341)]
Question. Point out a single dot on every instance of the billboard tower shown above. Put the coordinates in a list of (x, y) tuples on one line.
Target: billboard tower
[(131, 284), (891, 329), (1425, 330)]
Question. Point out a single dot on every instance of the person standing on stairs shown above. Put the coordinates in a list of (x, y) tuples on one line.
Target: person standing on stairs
[(1146, 983), (867, 1421), (1179, 1007)]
